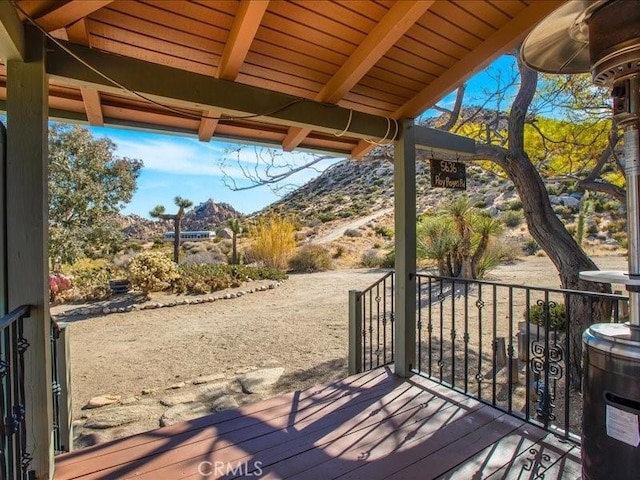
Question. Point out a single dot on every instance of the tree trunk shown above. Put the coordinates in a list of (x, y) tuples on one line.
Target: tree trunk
[(176, 239), (545, 227)]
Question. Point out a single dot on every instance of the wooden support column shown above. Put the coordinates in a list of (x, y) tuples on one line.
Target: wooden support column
[(404, 175), (26, 225)]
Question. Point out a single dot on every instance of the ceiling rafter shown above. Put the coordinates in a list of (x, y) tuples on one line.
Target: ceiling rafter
[(78, 33), (501, 41), (396, 22), (208, 125), (243, 31), (67, 13), (244, 28)]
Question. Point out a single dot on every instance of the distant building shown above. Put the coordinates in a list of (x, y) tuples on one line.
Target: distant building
[(189, 236)]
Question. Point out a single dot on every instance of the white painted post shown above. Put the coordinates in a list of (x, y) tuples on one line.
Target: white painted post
[(26, 224), (405, 249)]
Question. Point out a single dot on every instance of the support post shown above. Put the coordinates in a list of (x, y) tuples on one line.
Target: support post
[(355, 332), (26, 227), (405, 248)]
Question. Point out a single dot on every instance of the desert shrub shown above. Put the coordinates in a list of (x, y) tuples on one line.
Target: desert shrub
[(311, 258), (273, 241), (537, 315), (370, 259), (134, 247), (90, 279), (327, 217), (530, 247), (151, 272), (206, 257), (389, 260), (383, 231), (515, 204), (511, 218), (339, 251), (352, 232), (206, 278)]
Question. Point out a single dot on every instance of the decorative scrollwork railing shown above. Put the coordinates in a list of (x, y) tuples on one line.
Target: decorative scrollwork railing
[(509, 345), (14, 457)]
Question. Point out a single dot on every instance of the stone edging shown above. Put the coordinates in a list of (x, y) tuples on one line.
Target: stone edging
[(98, 310)]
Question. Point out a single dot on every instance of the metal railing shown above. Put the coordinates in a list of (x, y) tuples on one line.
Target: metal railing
[(371, 325), (14, 457), (508, 345), (60, 391)]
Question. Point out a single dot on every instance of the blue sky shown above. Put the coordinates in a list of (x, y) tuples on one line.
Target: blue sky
[(183, 166)]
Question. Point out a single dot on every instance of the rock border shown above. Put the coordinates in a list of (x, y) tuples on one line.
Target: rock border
[(98, 310)]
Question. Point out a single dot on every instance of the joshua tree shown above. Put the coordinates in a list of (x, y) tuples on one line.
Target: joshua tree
[(159, 212), (236, 228)]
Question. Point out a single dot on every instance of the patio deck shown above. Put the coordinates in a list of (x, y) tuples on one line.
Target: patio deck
[(370, 426)]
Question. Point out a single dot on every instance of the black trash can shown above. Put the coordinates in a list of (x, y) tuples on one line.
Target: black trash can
[(611, 404)]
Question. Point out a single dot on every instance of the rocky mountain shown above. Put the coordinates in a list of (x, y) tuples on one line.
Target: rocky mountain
[(206, 216), (358, 188)]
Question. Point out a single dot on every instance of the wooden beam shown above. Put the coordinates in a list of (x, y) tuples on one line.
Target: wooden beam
[(180, 88), (79, 33), (208, 125), (244, 28), (93, 107), (12, 45), (396, 22), (404, 181), (27, 237), (294, 137), (70, 12), (362, 149), (439, 140), (501, 41)]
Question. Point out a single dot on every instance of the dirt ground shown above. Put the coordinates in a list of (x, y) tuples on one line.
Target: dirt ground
[(301, 326)]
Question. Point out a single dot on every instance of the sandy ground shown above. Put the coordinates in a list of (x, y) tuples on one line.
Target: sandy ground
[(301, 325)]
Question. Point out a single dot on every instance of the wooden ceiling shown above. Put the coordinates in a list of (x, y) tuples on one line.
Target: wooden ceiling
[(314, 74)]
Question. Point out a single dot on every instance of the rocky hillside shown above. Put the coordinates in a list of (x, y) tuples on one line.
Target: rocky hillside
[(355, 189), (206, 216)]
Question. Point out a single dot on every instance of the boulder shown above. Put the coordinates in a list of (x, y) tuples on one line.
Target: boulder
[(260, 380), (226, 402), (102, 401), (183, 412), (208, 378), (116, 416)]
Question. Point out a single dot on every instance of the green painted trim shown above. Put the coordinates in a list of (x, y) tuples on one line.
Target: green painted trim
[(404, 175), (180, 88)]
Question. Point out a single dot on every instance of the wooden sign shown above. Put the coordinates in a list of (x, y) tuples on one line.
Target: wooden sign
[(448, 174)]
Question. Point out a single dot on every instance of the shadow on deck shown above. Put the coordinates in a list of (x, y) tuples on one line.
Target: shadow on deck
[(368, 426)]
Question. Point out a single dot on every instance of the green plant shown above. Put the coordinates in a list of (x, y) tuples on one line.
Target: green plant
[(556, 313), (512, 218), (273, 241), (530, 247), (383, 231), (152, 272), (515, 204), (339, 251), (370, 259), (311, 258)]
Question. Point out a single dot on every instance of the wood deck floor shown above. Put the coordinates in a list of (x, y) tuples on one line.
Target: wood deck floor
[(369, 426)]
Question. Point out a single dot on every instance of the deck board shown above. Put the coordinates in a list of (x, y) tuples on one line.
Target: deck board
[(368, 426)]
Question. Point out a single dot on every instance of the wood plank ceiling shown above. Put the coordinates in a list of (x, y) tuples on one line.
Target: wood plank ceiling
[(390, 59)]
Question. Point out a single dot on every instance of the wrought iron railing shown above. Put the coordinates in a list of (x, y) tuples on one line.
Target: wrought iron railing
[(14, 457), (371, 325), (508, 345), (60, 391)]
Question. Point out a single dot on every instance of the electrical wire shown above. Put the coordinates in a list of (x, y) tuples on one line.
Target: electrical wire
[(146, 98)]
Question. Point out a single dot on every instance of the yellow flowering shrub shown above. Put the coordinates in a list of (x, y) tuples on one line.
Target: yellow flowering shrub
[(152, 271)]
